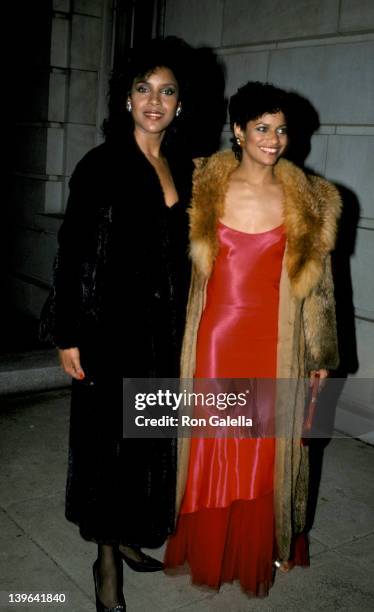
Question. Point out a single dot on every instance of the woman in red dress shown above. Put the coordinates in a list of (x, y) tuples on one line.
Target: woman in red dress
[(261, 306)]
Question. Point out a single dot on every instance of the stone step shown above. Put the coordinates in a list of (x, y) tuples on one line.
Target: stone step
[(37, 370)]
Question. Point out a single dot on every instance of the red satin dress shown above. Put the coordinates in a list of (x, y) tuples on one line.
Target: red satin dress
[(225, 529)]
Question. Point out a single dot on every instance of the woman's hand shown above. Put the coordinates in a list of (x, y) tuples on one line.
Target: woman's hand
[(71, 363), (321, 375)]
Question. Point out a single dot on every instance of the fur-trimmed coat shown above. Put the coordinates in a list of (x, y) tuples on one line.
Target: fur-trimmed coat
[(306, 319)]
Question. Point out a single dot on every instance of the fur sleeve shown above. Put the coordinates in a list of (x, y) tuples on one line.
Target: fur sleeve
[(194, 310), (320, 324)]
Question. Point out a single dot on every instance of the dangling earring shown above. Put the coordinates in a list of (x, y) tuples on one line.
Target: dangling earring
[(129, 105), (238, 141), (178, 111)]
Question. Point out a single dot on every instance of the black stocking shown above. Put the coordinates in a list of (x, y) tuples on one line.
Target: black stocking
[(109, 576)]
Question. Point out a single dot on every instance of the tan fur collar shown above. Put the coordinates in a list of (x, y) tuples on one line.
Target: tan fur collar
[(311, 208)]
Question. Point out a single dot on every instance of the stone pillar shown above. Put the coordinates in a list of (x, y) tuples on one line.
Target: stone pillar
[(66, 86)]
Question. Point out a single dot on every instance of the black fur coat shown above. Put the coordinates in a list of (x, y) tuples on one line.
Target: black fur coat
[(120, 287)]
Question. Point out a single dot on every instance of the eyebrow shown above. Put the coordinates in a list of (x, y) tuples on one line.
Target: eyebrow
[(268, 124), (168, 84)]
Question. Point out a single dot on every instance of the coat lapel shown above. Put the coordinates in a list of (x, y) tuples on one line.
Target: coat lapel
[(311, 206)]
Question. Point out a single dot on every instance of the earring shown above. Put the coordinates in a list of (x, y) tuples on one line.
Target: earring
[(129, 106), (238, 141), (178, 111)]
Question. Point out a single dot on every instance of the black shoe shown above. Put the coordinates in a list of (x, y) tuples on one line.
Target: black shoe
[(121, 607), (146, 563)]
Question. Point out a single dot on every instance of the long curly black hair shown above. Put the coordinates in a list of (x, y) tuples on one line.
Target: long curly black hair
[(170, 52)]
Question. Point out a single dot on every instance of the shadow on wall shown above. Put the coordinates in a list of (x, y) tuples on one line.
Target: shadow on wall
[(344, 249), (209, 106), (303, 123)]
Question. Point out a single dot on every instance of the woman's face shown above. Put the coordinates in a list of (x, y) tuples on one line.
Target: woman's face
[(154, 101), (264, 139)]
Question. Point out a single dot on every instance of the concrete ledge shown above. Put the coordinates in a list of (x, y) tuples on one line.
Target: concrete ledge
[(31, 371)]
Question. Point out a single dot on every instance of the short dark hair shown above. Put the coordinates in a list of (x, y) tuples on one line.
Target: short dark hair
[(253, 100), (170, 52)]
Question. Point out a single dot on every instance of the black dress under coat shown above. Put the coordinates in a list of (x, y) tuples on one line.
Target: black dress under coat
[(120, 288)]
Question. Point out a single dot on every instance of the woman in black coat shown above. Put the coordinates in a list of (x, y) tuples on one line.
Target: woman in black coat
[(117, 310)]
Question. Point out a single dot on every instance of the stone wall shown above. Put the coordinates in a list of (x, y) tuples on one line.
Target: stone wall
[(65, 67)]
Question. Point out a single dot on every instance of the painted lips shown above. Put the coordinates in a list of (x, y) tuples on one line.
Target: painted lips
[(153, 115)]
